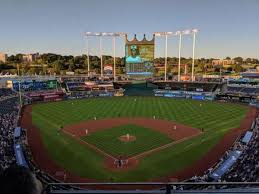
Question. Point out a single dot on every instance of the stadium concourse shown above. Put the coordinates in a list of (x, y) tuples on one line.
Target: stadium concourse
[(239, 163)]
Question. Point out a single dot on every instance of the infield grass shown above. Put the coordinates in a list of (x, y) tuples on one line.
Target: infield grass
[(108, 140)]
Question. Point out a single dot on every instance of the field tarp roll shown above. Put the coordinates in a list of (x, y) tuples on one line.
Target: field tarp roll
[(226, 165)]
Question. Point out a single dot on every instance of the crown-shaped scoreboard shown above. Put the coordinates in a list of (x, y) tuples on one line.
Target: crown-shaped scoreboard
[(139, 56), (143, 41)]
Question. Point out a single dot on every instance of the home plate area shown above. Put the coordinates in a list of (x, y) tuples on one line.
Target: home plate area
[(123, 141)]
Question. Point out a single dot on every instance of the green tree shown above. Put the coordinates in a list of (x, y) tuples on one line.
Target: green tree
[(71, 67), (57, 66), (238, 59), (237, 68), (248, 60)]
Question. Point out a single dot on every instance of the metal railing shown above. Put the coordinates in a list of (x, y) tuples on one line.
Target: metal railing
[(157, 187)]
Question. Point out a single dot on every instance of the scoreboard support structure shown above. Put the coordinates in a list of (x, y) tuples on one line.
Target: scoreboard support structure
[(100, 35), (192, 32)]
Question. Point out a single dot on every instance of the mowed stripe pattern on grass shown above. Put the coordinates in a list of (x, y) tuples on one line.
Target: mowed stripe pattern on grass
[(183, 111), (215, 118), (108, 140)]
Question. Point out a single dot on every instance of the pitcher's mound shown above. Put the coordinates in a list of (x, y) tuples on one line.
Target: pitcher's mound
[(127, 138)]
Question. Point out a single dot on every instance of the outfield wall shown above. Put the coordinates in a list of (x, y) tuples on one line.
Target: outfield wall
[(184, 94)]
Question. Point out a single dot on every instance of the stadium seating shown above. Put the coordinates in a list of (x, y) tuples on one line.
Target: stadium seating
[(188, 86), (251, 90), (76, 86), (244, 168), (243, 90), (8, 121), (241, 167), (234, 89)]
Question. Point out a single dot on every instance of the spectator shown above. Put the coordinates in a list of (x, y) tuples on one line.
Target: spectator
[(8, 121)]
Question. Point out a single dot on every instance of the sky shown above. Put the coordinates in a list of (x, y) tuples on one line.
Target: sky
[(226, 27)]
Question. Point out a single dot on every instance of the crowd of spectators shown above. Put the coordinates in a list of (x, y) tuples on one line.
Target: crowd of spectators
[(246, 169), (9, 112), (8, 120), (6, 93)]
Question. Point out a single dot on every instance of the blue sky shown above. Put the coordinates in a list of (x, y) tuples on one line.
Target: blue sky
[(226, 27)]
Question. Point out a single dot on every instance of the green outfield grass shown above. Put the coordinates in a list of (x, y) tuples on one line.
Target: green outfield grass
[(108, 140), (215, 118)]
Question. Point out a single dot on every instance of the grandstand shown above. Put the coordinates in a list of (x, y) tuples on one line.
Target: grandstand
[(234, 168), (194, 90), (134, 111), (244, 151), (188, 86), (8, 121), (240, 90)]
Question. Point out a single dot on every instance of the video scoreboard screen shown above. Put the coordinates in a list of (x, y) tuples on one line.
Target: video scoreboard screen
[(139, 59)]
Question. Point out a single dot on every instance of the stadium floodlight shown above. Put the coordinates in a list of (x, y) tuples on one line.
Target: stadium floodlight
[(186, 32), (100, 34), (88, 60), (114, 57), (121, 33), (178, 33), (101, 55), (105, 34), (195, 30), (163, 33), (157, 34)]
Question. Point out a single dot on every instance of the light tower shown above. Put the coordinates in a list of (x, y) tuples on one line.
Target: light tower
[(194, 32), (165, 34), (100, 35), (180, 34), (179, 54), (101, 55)]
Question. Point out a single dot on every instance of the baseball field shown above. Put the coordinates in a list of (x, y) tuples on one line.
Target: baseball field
[(155, 137)]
